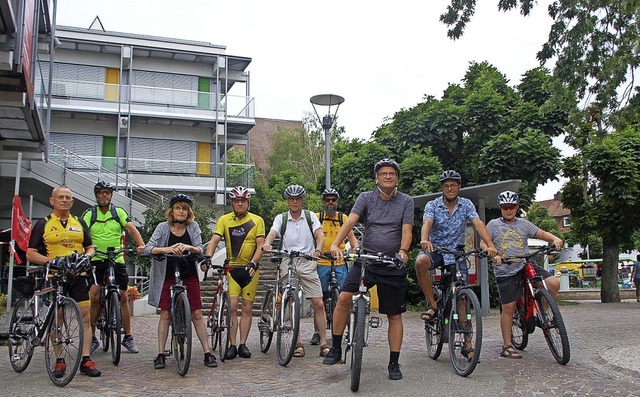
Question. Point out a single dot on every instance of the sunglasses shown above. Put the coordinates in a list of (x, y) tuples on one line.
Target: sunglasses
[(239, 201), (330, 200), (508, 207)]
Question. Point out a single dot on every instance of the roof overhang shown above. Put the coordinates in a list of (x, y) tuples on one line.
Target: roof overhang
[(482, 194)]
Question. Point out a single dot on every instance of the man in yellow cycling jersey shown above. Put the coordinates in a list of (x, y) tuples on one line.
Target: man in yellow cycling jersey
[(244, 234), (58, 235)]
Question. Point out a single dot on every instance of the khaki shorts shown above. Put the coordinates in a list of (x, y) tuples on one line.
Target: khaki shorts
[(308, 275)]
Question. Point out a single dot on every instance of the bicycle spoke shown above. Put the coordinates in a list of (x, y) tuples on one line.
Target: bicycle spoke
[(21, 333), (266, 321), (114, 322), (289, 327), (358, 342), (553, 328), (64, 341), (519, 332), (465, 332), (181, 333)]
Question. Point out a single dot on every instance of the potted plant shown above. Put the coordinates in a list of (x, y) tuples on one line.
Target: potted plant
[(132, 295)]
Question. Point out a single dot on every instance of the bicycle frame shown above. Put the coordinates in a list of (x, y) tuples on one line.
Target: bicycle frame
[(216, 320)]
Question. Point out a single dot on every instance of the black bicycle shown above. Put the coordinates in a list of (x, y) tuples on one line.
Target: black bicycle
[(46, 314), (458, 321), (334, 290), (109, 320)]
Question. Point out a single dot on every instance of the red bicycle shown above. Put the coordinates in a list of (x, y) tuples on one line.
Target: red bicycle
[(219, 320), (536, 308)]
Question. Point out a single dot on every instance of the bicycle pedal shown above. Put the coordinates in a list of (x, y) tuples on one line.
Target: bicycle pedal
[(375, 322), (263, 327), (168, 353)]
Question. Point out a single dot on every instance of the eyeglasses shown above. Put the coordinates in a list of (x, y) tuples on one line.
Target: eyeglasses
[(240, 201), (508, 207), (386, 174), (104, 192), (450, 186), (330, 200)]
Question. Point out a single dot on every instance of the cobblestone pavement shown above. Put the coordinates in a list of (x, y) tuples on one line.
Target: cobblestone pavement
[(605, 361)]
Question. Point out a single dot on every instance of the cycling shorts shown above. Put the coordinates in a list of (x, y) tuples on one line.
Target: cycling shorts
[(79, 289), (192, 284), (102, 274), (510, 287), (241, 284), (391, 288)]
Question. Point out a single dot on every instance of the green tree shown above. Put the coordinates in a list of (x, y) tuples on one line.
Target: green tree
[(539, 216)]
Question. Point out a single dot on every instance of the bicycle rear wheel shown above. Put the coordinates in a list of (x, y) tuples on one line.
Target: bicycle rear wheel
[(21, 332), (64, 340), (114, 325), (519, 332), (289, 326), (433, 333), (224, 325), (465, 332), (357, 347), (555, 332), (266, 321), (331, 303), (102, 322), (181, 333)]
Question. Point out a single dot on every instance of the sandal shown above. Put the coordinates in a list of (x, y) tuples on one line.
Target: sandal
[(299, 352), (509, 352), (324, 350), (429, 314)]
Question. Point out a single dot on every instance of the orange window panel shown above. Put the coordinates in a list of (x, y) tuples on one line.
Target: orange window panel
[(203, 159), (112, 80)]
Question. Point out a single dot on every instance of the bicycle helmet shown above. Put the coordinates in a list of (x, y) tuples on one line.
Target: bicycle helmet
[(75, 263), (450, 174), (103, 185), (330, 192), (181, 197), (508, 197), (294, 191), (386, 163), (239, 192)]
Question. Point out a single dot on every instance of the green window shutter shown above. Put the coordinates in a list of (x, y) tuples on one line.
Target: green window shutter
[(204, 89), (109, 152)]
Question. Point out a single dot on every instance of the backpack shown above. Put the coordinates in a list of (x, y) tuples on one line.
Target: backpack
[(340, 218), (94, 215), (307, 215)]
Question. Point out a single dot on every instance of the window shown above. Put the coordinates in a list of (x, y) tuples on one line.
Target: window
[(566, 222)]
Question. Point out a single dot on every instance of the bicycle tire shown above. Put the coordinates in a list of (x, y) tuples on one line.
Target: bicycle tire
[(181, 333), (465, 335), (331, 304), (21, 331), (224, 325), (114, 325), (65, 335), (519, 331), (102, 323), (358, 343), (266, 321), (213, 325), (288, 327), (434, 333), (553, 327)]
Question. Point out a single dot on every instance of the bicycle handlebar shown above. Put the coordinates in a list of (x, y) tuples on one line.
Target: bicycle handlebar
[(290, 254), (547, 249), (111, 252), (379, 257), (461, 254)]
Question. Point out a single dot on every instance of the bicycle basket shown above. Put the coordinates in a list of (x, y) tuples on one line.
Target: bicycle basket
[(26, 285)]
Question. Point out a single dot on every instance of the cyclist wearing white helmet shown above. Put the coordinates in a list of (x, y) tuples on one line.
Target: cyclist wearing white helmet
[(388, 220), (510, 235), (178, 235), (244, 234), (300, 230), (444, 223)]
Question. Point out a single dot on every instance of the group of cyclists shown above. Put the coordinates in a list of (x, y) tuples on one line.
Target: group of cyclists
[(386, 214)]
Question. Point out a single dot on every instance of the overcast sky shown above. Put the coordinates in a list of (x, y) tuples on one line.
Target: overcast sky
[(380, 56)]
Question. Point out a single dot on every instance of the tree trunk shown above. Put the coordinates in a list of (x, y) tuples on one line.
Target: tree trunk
[(609, 291)]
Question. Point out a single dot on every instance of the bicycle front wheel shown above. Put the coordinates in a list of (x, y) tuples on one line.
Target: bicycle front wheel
[(266, 321), (288, 327), (181, 333), (213, 324), (465, 332), (433, 333), (64, 341), (553, 328), (224, 325), (21, 332), (357, 347), (519, 332), (331, 303), (114, 325), (102, 323)]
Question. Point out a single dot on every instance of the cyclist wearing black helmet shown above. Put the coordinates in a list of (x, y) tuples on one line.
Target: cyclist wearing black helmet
[(106, 231), (510, 235), (388, 220), (444, 222), (178, 235), (300, 231), (244, 234)]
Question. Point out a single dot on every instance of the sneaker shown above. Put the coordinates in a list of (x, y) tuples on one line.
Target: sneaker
[(130, 344), (333, 357), (315, 339), (59, 369), (394, 371), (95, 344), (210, 360), (243, 351), (89, 368), (159, 363), (231, 353)]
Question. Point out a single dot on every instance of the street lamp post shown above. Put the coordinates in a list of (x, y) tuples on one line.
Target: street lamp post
[(327, 122)]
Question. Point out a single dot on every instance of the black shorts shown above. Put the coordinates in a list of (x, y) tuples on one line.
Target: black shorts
[(102, 274), (510, 287), (79, 289), (391, 287)]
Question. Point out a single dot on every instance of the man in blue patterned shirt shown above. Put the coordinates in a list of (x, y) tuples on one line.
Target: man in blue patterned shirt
[(444, 222)]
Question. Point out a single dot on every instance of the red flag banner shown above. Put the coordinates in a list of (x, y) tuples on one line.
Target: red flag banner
[(21, 226)]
